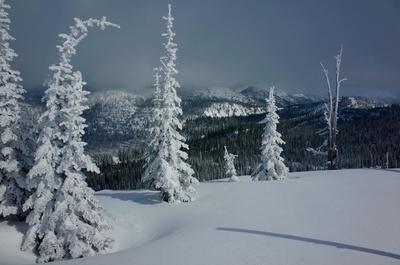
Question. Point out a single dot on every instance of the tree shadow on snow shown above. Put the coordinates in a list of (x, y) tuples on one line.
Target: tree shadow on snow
[(312, 240), (142, 197), (19, 225)]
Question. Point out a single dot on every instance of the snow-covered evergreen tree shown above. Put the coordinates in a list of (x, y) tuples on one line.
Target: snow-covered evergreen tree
[(167, 171), (155, 122), (14, 137), (229, 167), (271, 166), (65, 220)]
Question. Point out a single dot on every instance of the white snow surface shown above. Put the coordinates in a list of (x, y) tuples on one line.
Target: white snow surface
[(323, 217)]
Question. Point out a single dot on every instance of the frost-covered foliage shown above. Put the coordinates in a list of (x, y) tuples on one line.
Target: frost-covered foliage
[(15, 140), (166, 169), (331, 117), (271, 166), (155, 124), (229, 167), (65, 220)]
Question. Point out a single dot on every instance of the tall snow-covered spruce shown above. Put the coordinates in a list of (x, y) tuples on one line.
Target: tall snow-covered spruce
[(271, 166), (230, 170), (166, 169), (65, 220), (13, 190), (155, 123)]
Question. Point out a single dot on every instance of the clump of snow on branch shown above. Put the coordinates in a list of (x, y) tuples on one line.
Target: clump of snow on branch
[(65, 219)]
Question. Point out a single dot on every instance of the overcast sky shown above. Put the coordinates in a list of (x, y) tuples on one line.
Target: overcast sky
[(227, 43)]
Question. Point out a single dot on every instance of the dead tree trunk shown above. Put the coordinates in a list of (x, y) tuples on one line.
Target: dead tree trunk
[(331, 113), (331, 116)]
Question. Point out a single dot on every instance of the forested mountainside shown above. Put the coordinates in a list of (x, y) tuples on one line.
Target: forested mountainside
[(368, 130)]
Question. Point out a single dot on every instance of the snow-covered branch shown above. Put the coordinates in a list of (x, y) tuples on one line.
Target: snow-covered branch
[(331, 115)]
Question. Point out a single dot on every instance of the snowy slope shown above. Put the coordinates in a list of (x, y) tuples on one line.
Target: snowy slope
[(216, 102), (112, 111), (225, 109), (328, 217), (220, 93), (282, 98), (361, 103)]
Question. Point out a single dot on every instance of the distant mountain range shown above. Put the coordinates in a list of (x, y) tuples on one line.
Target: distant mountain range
[(118, 116)]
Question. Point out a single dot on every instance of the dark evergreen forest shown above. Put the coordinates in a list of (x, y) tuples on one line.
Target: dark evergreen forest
[(364, 139)]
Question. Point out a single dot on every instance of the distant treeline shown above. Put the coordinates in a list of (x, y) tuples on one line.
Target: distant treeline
[(364, 140)]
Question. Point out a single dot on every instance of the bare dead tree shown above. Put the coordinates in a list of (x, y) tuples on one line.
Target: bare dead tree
[(331, 116)]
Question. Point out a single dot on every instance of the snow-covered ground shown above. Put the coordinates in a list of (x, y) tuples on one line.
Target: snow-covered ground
[(326, 217)]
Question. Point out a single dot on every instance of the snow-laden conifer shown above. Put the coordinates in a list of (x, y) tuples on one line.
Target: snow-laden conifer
[(14, 145), (65, 219), (155, 122), (167, 171), (230, 170), (271, 166)]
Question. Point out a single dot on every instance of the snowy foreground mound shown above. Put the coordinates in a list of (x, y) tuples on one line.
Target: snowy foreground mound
[(331, 217)]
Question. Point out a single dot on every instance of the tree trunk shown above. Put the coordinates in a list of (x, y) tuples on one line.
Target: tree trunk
[(332, 159)]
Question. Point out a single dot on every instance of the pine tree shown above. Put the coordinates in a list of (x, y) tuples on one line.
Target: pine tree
[(229, 167), (271, 166), (155, 122), (14, 137), (168, 172), (65, 219)]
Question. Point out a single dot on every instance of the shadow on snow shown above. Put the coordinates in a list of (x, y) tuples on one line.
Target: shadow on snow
[(140, 197), (312, 240), (19, 225)]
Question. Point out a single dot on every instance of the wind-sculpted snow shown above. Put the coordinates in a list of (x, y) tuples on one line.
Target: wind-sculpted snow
[(342, 217)]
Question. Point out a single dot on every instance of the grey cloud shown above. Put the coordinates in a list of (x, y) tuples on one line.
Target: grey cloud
[(221, 43)]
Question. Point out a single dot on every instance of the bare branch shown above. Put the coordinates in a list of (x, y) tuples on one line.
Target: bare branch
[(316, 152)]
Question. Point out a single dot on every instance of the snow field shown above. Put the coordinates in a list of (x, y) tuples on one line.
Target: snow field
[(325, 217)]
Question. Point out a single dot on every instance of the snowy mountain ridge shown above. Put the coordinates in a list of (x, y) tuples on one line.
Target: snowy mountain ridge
[(282, 98), (361, 103), (225, 109), (218, 94), (225, 102), (121, 116), (108, 106), (114, 97)]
